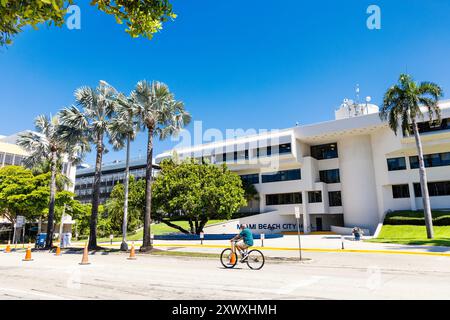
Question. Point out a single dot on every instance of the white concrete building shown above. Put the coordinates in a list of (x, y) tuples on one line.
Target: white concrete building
[(346, 172)]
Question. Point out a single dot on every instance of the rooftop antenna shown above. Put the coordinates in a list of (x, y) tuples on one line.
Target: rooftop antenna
[(356, 104)]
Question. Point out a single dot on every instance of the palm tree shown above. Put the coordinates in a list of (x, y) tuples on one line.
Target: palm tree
[(91, 123), (47, 147), (405, 103), (123, 129), (158, 112)]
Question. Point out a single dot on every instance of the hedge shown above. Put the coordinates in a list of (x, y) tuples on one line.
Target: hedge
[(416, 218)]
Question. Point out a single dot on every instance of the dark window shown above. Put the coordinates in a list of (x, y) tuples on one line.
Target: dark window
[(287, 175), (335, 198), (2, 155), (272, 150), (250, 179), (284, 148), (431, 160), (9, 159), (330, 176), (314, 196), (325, 151), (283, 198), (434, 126), (435, 189), (400, 191), (396, 164)]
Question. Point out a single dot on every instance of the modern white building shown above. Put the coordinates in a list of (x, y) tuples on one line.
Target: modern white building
[(346, 172)]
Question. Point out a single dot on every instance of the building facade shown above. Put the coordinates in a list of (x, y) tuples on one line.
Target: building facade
[(112, 174), (342, 173)]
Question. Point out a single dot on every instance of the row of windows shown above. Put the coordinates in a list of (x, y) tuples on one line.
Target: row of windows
[(260, 152), (9, 159), (296, 198), (430, 160), (248, 179), (434, 125), (287, 175), (435, 189)]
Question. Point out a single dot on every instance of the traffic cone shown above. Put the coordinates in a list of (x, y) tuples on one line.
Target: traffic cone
[(85, 259), (132, 253), (8, 247), (233, 258), (28, 254), (58, 250)]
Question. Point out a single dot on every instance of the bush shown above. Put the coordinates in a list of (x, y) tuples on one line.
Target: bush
[(416, 218)]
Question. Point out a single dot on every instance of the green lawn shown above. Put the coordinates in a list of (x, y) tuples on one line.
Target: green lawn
[(157, 229), (413, 235)]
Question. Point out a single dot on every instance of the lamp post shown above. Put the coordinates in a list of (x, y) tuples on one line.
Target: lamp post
[(297, 216)]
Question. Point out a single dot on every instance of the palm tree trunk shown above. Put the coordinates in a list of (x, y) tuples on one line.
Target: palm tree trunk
[(96, 194), (124, 246), (51, 207), (423, 183), (147, 241)]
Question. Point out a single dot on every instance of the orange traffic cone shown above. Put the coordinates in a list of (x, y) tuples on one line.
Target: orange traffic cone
[(8, 247), (85, 259), (132, 253), (28, 254), (58, 250), (233, 258)]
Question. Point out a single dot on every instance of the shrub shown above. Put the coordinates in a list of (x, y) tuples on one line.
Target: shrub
[(416, 218)]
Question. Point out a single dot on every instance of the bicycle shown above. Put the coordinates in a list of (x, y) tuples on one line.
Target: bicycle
[(254, 259)]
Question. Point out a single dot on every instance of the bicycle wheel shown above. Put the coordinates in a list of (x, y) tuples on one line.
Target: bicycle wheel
[(225, 258), (255, 260)]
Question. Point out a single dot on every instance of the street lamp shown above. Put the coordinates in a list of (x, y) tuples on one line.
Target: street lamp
[(297, 216)]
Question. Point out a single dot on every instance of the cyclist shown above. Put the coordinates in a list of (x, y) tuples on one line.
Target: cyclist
[(244, 241)]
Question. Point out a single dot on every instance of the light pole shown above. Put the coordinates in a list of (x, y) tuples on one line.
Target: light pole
[(297, 216)]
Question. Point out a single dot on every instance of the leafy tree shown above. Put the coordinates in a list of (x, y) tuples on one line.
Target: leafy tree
[(25, 194), (196, 192), (405, 103), (48, 146), (123, 128), (142, 18), (91, 124), (157, 111), (136, 200)]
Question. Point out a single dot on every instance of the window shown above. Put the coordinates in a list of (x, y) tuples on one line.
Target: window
[(2, 155), (434, 126), (330, 176), (9, 159), (431, 160), (395, 164), (284, 148), (314, 196), (250, 179), (335, 199), (283, 198), (325, 151), (272, 150), (435, 189), (287, 175), (400, 191)]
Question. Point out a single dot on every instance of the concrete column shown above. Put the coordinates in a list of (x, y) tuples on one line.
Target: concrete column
[(306, 222), (412, 196)]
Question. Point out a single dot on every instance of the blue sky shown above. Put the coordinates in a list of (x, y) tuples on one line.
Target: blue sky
[(236, 64)]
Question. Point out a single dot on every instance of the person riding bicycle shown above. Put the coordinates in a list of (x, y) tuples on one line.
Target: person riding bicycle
[(243, 240)]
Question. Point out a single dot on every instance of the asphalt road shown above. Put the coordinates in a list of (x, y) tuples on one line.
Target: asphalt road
[(326, 276)]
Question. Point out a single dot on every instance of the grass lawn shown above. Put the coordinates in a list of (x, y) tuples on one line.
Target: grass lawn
[(157, 229), (413, 235)]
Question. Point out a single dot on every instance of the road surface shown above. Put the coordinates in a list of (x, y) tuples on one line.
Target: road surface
[(325, 276)]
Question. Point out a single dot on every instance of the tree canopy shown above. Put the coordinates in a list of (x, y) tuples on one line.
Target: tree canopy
[(196, 192), (142, 18)]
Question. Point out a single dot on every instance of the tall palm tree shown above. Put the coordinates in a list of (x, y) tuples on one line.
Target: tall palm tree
[(91, 123), (123, 129), (47, 146), (158, 112), (405, 103)]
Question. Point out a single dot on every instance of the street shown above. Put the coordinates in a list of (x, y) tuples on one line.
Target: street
[(325, 276)]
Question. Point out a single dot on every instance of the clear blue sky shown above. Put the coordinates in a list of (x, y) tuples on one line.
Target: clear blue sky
[(236, 64)]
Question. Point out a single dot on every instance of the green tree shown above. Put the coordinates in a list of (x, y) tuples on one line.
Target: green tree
[(196, 192), (123, 128), (404, 104), (47, 145), (92, 124), (142, 18), (158, 112), (114, 205)]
